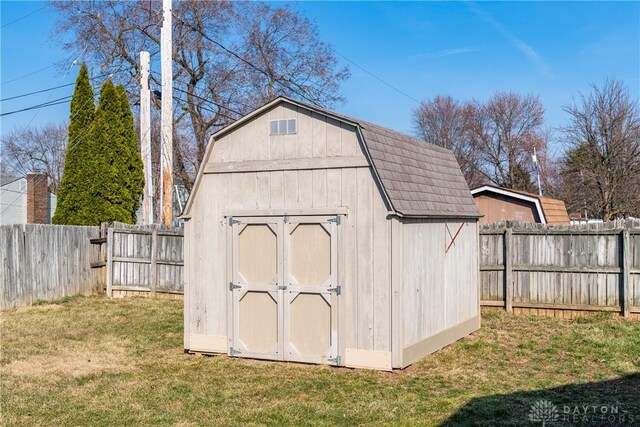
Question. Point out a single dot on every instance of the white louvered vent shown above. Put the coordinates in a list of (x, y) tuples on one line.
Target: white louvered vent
[(283, 127)]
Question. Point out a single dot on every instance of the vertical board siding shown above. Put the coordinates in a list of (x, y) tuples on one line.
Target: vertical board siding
[(317, 136), (557, 266), (439, 286), (46, 262)]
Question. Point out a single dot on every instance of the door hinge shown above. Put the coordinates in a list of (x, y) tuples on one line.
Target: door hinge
[(335, 219), (233, 351), (233, 221), (232, 286), (285, 218), (337, 290), (335, 360)]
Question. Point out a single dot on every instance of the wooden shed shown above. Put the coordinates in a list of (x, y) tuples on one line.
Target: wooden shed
[(315, 237), (503, 204)]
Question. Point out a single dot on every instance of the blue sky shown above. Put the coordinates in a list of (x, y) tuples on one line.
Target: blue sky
[(464, 49)]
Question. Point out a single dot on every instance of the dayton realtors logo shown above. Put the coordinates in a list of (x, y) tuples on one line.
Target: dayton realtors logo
[(547, 413), (543, 411)]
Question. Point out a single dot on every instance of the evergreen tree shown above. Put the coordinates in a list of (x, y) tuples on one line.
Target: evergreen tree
[(115, 159), (73, 193), (133, 161)]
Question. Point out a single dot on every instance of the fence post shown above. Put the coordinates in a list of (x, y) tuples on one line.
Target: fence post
[(626, 273), (110, 262), (154, 262), (508, 269)]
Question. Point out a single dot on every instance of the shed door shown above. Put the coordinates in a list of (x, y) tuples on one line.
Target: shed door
[(256, 288), (310, 298), (284, 288)]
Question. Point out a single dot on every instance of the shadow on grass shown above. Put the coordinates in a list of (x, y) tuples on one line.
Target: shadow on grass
[(606, 403)]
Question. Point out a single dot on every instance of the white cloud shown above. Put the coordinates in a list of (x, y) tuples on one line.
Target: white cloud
[(443, 53), (523, 47)]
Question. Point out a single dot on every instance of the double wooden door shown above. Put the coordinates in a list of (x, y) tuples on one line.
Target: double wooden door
[(284, 288)]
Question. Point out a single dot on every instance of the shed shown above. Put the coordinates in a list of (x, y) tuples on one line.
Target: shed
[(502, 204), (315, 237)]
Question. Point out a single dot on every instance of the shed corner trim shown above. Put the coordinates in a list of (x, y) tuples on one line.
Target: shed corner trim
[(380, 360)]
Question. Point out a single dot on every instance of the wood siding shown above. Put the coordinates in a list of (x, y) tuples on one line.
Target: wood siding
[(439, 277), (496, 207), (364, 238)]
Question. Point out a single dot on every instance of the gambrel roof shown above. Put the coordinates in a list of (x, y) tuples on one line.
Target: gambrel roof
[(418, 179)]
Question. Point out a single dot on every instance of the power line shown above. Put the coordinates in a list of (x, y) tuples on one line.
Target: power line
[(58, 87), (25, 16), (58, 101), (376, 77), (30, 74), (55, 101), (247, 62), (205, 100)]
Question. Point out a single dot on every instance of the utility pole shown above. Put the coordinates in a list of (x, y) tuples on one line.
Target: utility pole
[(145, 138), (166, 156), (535, 162)]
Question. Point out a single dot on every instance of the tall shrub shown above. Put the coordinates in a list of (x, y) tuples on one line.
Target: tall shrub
[(74, 192), (116, 160)]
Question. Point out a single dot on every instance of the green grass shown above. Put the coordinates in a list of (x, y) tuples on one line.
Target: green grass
[(92, 361)]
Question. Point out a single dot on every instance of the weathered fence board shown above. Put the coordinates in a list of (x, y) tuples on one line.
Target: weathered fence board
[(579, 268), (144, 260), (46, 262)]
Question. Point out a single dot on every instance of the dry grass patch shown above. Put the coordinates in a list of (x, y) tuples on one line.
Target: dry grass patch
[(75, 359), (91, 361)]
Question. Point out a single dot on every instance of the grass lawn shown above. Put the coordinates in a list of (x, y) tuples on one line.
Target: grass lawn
[(93, 361)]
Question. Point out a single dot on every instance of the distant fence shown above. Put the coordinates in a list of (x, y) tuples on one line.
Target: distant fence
[(560, 270), (142, 260), (46, 262)]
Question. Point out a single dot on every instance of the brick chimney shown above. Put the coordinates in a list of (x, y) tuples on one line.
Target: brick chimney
[(37, 198)]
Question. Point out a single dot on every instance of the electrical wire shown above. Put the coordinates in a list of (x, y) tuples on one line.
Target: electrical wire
[(23, 17), (245, 61), (58, 87)]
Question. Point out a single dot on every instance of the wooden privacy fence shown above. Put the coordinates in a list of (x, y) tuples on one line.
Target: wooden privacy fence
[(554, 270), (142, 260), (46, 262)]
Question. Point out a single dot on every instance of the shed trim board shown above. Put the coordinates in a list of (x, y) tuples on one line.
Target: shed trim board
[(298, 253), (515, 195), (288, 164), (441, 339), (339, 210)]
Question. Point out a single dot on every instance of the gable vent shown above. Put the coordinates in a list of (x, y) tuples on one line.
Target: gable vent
[(283, 127)]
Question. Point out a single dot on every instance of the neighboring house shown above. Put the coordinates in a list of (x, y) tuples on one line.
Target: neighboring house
[(501, 204), (319, 238), (26, 200)]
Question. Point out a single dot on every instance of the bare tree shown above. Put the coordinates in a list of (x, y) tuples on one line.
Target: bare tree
[(600, 172), (505, 130), (445, 122), (29, 149), (229, 57)]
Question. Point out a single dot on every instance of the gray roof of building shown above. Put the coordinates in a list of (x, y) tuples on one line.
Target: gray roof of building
[(5, 180)]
